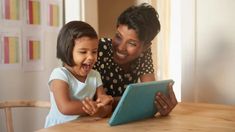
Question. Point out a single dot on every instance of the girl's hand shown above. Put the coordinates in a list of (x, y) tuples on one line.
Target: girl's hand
[(103, 100), (90, 106), (165, 103), (93, 108)]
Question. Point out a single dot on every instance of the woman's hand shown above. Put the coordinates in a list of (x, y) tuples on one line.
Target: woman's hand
[(165, 103)]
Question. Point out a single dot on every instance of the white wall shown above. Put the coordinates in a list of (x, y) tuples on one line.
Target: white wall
[(19, 84), (16, 84), (208, 51), (84, 10)]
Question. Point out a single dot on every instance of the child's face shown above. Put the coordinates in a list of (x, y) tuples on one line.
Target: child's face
[(84, 55)]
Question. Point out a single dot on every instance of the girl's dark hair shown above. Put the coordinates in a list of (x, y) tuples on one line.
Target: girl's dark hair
[(143, 19), (67, 36)]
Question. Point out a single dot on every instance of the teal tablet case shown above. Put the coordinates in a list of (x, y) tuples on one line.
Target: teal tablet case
[(137, 102)]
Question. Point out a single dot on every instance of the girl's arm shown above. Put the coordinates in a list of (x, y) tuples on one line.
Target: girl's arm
[(65, 104), (101, 111), (102, 97), (104, 102)]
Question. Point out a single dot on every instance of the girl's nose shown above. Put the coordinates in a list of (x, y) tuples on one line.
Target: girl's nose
[(91, 56)]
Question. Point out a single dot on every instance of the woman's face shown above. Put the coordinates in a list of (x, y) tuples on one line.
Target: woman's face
[(126, 45)]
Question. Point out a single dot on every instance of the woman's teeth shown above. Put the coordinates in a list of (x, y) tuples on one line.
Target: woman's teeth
[(120, 55)]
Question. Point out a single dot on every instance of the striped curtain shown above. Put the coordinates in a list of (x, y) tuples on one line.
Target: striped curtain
[(161, 43)]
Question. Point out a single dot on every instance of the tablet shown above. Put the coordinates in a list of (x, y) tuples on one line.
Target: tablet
[(137, 102)]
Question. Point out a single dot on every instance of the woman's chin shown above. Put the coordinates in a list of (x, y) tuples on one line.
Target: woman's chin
[(120, 61)]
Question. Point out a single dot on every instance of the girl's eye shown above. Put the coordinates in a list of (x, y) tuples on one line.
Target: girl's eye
[(82, 52), (94, 52)]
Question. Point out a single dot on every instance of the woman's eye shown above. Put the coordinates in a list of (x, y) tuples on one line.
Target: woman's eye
[(117, 36), (132, 43)]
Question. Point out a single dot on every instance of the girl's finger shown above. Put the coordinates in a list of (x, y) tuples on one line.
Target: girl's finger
[(92, 105), (86, 104), (88, 111)]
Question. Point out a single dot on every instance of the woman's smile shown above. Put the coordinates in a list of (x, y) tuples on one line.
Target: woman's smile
[(121, 55)]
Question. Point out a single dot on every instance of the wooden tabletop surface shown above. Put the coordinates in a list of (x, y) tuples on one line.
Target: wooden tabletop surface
[(196, 117)]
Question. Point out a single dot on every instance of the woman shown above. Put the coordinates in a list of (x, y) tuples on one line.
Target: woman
[(127, 57)]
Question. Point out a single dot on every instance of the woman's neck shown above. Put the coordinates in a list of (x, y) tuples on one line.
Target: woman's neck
[(125, 67)]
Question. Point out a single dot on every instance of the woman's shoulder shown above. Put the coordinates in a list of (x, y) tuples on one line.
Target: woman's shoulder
[(105, 47), (105, 40)]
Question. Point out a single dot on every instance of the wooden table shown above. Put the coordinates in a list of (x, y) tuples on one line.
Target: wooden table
[(196, 117)]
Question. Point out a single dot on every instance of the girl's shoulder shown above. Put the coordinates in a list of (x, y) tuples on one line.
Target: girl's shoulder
[(60, 72), (94, 73)]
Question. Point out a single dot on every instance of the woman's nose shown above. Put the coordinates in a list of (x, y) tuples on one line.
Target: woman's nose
[(122, 46)]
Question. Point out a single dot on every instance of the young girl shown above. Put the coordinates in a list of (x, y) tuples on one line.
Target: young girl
[(74, 86)]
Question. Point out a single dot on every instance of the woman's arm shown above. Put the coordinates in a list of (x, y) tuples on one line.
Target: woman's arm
[(147, 77), (115, 102)]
